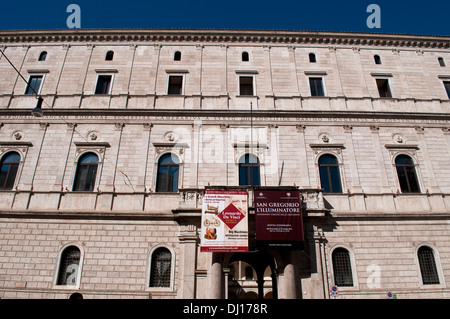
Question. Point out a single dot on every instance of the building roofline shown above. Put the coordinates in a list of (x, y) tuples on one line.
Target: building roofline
[(286, 37)]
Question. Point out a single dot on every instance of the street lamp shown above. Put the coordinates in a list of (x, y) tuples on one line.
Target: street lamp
[(37, 111)]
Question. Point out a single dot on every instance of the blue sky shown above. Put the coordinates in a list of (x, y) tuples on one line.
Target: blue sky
[(413, 17)]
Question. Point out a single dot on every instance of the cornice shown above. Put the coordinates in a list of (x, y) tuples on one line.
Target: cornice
[(264, 37), (145, 114)]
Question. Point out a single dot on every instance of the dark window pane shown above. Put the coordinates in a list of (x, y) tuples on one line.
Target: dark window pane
[(162, 184), (34, 84), (328, 160), (245, 57), (335, 180), (169, 159), (406, 173), (330, 178), (68, 267), (403, 160), (175, 85), (447, 88), (255, 176), (312, 58), (86, 173), (249, 170), (42, 56), (402, 179), (325, 179), (89, 158), (8, 170), (316, 85), (246, 85), (173, 178), (383, 88), (177, 56), (243, 176), (377, 59), (342, 268), (109, 56), (168, 171), (161, 268), (427, 266), (103, 84), (441, 62)]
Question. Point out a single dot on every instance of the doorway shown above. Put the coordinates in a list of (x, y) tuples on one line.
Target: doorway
[(252, 276)]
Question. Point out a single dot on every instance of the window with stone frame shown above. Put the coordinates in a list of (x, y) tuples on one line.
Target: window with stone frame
[(406, 173), (34, 85), (316, 86), (249, 170), (168, 173), (330, 177), (427, 265), (69, 265), (447, 88), (161, 268), (104, 82), (383, 88), (246, 85), (86, 173), (9, 166), (342, 268), (175, 85)]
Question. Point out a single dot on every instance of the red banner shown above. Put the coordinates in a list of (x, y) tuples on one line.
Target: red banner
[(278, 217)]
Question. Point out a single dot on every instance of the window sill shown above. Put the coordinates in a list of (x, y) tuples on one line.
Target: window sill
[(433, 286), (66, 287)]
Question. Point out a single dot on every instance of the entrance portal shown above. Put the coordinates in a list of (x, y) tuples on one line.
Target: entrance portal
[(252, 276)]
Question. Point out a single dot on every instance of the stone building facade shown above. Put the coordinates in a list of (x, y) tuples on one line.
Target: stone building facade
[(102, 195)]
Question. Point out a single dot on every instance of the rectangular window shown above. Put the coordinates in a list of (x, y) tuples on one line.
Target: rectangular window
[(34, 85), (246, 85), (383, 88), (447, 88), (316, 85), (103, 84), (175, 85)]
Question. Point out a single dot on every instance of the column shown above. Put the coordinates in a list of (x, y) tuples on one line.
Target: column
[(188, 244), (216, 279), (289, 281)]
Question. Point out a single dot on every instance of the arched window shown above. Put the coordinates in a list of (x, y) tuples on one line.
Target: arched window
[(330, 178), (377, 59), (441, 62), (427, 264), (342, 268), (69, 265), (109, 56), (312, 58), (177, 56), (43, 56), (161, 268), (86, 172), (245, 57), (406, 173), (167, 178), (9, 166), (249, 170)]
